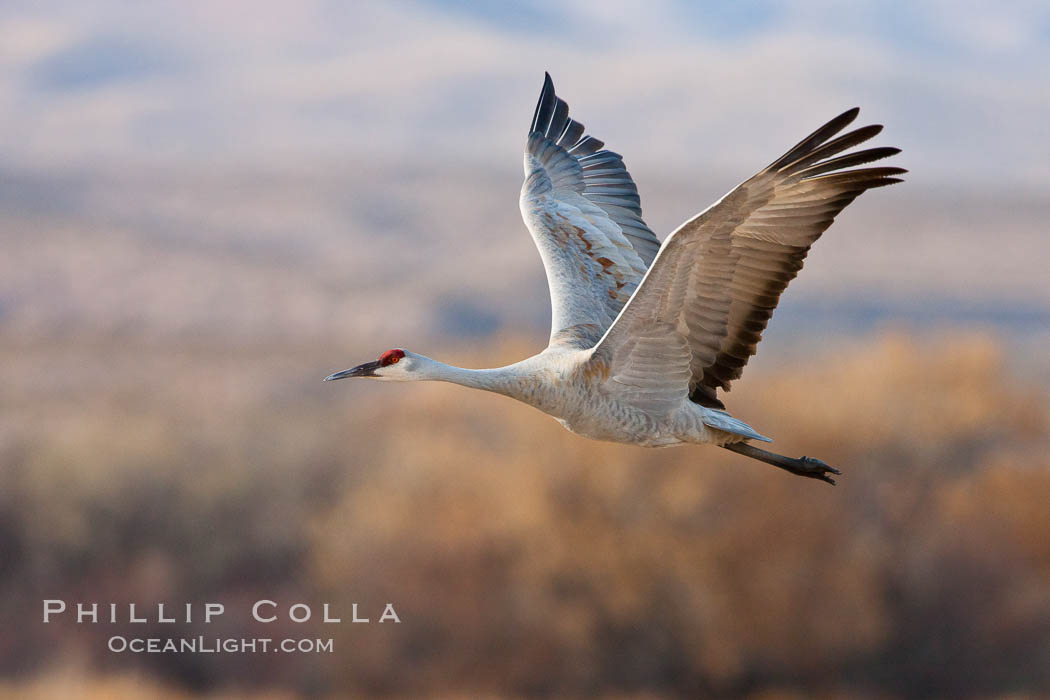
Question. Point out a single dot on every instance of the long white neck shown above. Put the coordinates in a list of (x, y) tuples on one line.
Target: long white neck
[(503, 380), (521, 381)]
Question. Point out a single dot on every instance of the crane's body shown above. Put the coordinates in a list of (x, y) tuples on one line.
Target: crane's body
[(644, 334), (574, 387)]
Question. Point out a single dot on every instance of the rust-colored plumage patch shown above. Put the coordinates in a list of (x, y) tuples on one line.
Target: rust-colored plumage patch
[(583, 237), (595, 370), (613, 272)]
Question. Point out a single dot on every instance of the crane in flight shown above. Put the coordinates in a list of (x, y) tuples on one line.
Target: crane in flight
[(644, 334)]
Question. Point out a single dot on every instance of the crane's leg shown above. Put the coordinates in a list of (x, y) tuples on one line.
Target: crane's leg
[(803, 466)]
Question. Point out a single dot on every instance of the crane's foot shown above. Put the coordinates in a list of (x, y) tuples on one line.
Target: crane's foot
[(803, 466), (814, 469)]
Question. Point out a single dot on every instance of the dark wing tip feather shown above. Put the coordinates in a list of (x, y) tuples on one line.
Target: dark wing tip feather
[(860, 176), (809, 168), (883, 181), (826, 150), (544, 106), (818, 157), (817, 138)]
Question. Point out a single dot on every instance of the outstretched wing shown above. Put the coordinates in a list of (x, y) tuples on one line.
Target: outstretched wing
[(583, 210), (716, 281)]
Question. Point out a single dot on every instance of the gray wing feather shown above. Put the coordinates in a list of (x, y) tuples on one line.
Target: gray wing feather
[(584, 212), (605, 179), (719, 276)]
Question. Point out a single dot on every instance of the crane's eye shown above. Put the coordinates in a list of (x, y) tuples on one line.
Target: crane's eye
[(390, 357)]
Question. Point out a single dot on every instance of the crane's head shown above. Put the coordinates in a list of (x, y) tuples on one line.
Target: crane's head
[(392, 365)]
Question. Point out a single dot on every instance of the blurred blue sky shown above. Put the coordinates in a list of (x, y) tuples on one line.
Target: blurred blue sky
[(679, 85)]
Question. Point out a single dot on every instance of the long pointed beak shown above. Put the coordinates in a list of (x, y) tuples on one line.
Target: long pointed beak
[(368, 369)]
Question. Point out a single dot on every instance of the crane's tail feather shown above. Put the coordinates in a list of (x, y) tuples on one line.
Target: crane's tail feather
[(721, 420)]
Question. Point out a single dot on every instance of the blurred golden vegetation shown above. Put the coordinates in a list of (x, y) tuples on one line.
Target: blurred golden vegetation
[(524, 560)]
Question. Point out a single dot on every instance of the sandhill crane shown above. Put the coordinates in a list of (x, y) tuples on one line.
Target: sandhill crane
[(644, 334)]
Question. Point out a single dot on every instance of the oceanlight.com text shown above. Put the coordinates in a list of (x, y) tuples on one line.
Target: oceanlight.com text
[(218, 645)]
